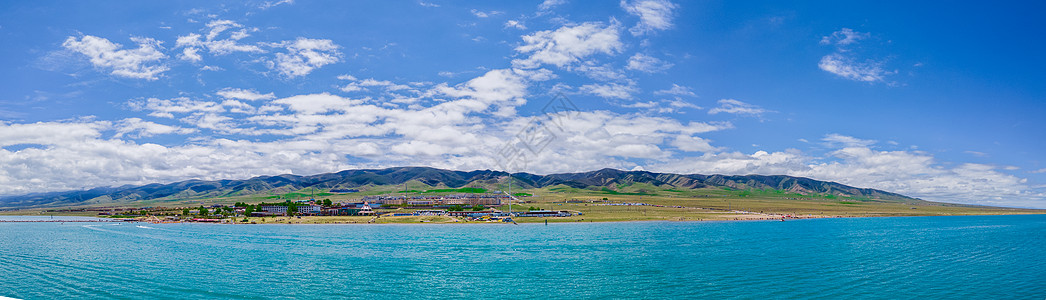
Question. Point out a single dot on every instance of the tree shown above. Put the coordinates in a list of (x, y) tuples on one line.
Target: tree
[(203, 211), (327, 202), (247, 211), (185, 212)]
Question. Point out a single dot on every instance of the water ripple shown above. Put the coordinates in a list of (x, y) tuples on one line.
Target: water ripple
[(887, 258)]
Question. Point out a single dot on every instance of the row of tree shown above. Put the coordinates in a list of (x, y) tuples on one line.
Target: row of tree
[(203, 211), (292, 208), (460, 207)]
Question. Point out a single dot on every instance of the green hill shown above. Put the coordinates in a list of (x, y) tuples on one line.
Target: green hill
[(608, 181)]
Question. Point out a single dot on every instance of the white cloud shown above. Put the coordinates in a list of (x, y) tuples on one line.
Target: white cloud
[(50, 133), (194, 42), (679, 103), (320, 129), (317, 103), (549, 4), (140, 63), (600, 72), (835, 139), (567, 45), (844, 37), (222, 37), (218, 26), (736, 163), (352, 87), (648, 104), (653, 15), (976, 153), (191, 39), (838, 64), (236, 106), (270, 4), (445, 125), (166, 108), (663, 106), (909, 173), (701, 127), (76, 155), (82, 159), (515, 24), (609, 139), (138, 128), (693, 144), (732, 106), (305, 55), (485, 14), (843, 61), (918, 175), (390, 88), (502, 86), (646, 63), (212, 121), (191, 54), (244, 94), (677, 90), (420, 148), (428, 4), (612, 90), (388, 85)]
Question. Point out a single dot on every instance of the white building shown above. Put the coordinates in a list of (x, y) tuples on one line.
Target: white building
[(309, 209), (275, 209)]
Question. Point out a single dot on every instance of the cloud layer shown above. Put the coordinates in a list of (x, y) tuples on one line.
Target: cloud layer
[(141, 63), (290, 59), (845, 63), (515, 114)]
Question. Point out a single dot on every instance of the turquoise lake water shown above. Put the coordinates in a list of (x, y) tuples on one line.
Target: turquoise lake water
[(897, 258)]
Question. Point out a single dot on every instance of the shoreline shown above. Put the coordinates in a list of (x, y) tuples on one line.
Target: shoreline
[(557, 221)]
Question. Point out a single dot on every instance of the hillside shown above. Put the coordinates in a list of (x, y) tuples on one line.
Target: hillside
[(605, 179)]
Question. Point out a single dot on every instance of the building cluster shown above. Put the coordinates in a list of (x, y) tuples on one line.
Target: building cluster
[(367, 209), (489, 213), (437, 200), (341, 209), (469, 206)]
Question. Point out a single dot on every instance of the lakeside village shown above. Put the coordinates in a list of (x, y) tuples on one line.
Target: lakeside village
[(460, 207)]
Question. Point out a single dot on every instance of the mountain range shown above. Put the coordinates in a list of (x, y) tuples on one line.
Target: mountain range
[(364, 178)]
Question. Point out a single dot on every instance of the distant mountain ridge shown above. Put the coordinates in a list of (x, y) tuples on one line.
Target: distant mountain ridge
[(362, 178)]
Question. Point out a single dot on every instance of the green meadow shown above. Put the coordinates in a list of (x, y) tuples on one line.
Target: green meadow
[(595, 204)]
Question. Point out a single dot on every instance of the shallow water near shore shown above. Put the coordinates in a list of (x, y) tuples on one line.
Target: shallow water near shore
[(909, 257)]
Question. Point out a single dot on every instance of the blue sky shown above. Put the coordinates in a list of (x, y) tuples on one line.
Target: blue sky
[(937, 100)]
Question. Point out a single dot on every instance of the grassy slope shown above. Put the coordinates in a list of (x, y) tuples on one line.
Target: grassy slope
[(699, 204)]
